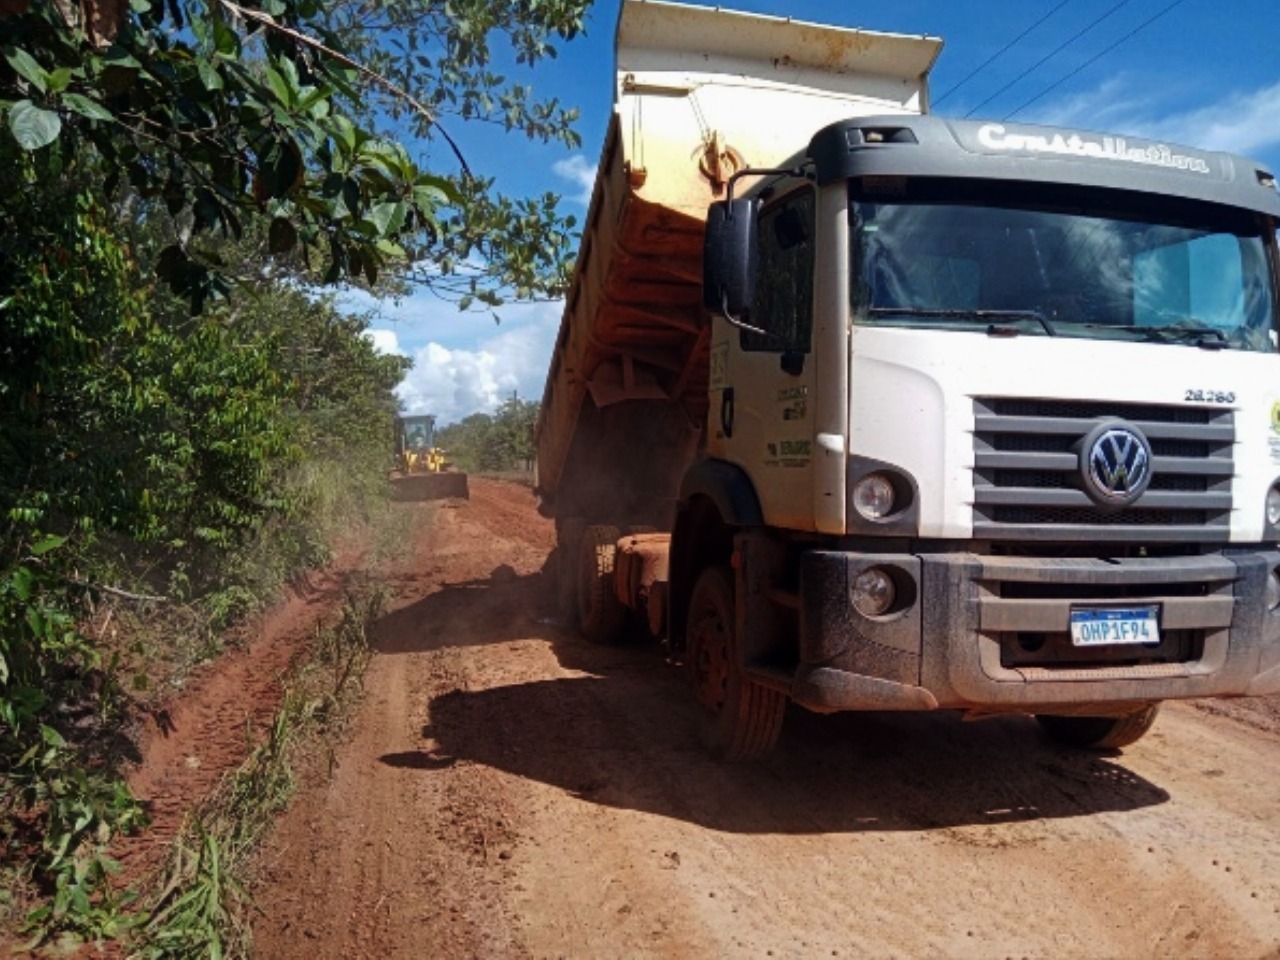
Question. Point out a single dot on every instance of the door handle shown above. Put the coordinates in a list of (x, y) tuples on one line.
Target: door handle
[(726, 411)]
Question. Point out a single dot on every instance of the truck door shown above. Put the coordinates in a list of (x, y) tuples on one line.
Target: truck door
[(762, 386)]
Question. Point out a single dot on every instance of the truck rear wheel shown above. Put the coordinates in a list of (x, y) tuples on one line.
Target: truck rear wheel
[(601, 614), (568, 540), (1099, 733), (741, 719)]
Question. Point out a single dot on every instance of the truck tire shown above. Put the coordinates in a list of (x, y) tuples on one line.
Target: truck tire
[(1099, 733), (568, 539), (740, 719), (601, 614)]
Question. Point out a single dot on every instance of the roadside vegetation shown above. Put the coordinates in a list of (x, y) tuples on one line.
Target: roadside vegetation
[(186, 420), (202, 906), (497, 443)]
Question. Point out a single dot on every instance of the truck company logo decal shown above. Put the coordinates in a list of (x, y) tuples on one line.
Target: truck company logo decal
[(789, 453), (718, 375), (994, 136), (797, 403)]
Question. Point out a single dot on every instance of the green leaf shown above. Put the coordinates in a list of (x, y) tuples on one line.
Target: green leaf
[(118, 56), (282, 237), (36, 623), (47, 544), (86, 107), (28, 69), (443, 184), (51, 737), (281, 168), (388, 218), (279, 86), (59, 79), (22, 581), (226, 40), (32, 126), (209, 75)]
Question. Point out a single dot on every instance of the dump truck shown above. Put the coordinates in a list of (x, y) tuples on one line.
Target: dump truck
[(423, 471), (863, 408)]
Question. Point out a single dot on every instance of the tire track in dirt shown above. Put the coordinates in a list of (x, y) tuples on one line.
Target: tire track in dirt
[(186, 745), (509, 790)]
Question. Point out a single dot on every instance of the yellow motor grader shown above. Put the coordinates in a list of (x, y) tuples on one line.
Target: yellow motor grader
[(422, 470)]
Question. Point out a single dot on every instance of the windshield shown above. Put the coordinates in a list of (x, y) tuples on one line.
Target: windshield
[(1063, 262)]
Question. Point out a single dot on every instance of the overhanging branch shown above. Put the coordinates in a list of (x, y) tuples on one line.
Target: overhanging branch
[(269, 22)]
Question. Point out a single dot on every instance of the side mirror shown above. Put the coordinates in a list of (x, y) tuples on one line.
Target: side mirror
[(729, 256)]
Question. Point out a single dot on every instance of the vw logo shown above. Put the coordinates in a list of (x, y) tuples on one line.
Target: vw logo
[(1115, 461)]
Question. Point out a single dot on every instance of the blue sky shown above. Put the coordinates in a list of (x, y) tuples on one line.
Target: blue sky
[(1200, 72)]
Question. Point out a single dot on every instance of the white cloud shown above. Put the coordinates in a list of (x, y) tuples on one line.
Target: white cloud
[(385, 341), (577, 170), (454, 382), (1245, 122)]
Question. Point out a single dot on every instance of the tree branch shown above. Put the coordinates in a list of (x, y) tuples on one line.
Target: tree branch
[(269, 22), (117, 592)]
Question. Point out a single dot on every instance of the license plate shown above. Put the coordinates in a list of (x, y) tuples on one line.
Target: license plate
[(1104, 626)]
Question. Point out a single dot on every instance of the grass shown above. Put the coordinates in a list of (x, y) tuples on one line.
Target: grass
[(147, 651), (202, 908)]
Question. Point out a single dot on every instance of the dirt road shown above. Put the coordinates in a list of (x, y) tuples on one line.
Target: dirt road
[(508, 790)]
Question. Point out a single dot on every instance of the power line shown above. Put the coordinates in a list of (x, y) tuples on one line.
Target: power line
[(1092, 60), (1045, 59), (999, 53)]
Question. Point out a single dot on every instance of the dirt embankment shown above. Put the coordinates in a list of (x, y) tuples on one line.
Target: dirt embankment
[(508, 790), (188, 743)]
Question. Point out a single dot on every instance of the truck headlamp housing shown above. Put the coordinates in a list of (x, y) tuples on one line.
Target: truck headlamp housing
[(882, 499), (873, 593), (873, 497), (1273, 506), (1273, 589)]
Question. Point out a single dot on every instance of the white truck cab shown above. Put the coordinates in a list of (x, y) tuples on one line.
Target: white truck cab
[(910, 413), (1025, 383)]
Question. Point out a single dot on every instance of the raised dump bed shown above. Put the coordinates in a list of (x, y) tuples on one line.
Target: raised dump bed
[(699, 94)]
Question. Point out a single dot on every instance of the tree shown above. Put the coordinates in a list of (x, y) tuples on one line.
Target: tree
[(501, 441), (144, 449), (146, 435), (230, 112)]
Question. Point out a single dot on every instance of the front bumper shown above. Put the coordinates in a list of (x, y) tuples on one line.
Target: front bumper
[(991, 634)]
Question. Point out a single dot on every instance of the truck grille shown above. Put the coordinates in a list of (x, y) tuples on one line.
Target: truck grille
[(1027, 616), (1027, 478)]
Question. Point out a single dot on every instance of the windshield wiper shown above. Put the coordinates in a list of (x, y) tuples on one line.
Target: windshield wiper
[(995, 317), (1207, 338)]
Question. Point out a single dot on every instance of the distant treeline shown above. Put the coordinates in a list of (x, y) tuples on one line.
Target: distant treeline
[(498, 442)]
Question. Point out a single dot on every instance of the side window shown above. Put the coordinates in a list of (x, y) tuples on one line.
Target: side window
[(784, 284)]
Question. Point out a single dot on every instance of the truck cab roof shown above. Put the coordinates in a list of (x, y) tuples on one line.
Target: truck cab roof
[(931, 146)]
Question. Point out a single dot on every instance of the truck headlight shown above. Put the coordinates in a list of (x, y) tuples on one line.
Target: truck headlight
[(873, 592), (873, 497), (1273, 589), (1273, 506)]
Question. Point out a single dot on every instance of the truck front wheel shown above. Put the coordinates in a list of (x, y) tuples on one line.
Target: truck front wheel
[(1099, 733), (601, 615), (740, 718)]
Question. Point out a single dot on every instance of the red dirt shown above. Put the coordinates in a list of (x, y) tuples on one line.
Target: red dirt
[(188, 744), (508, 790)]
